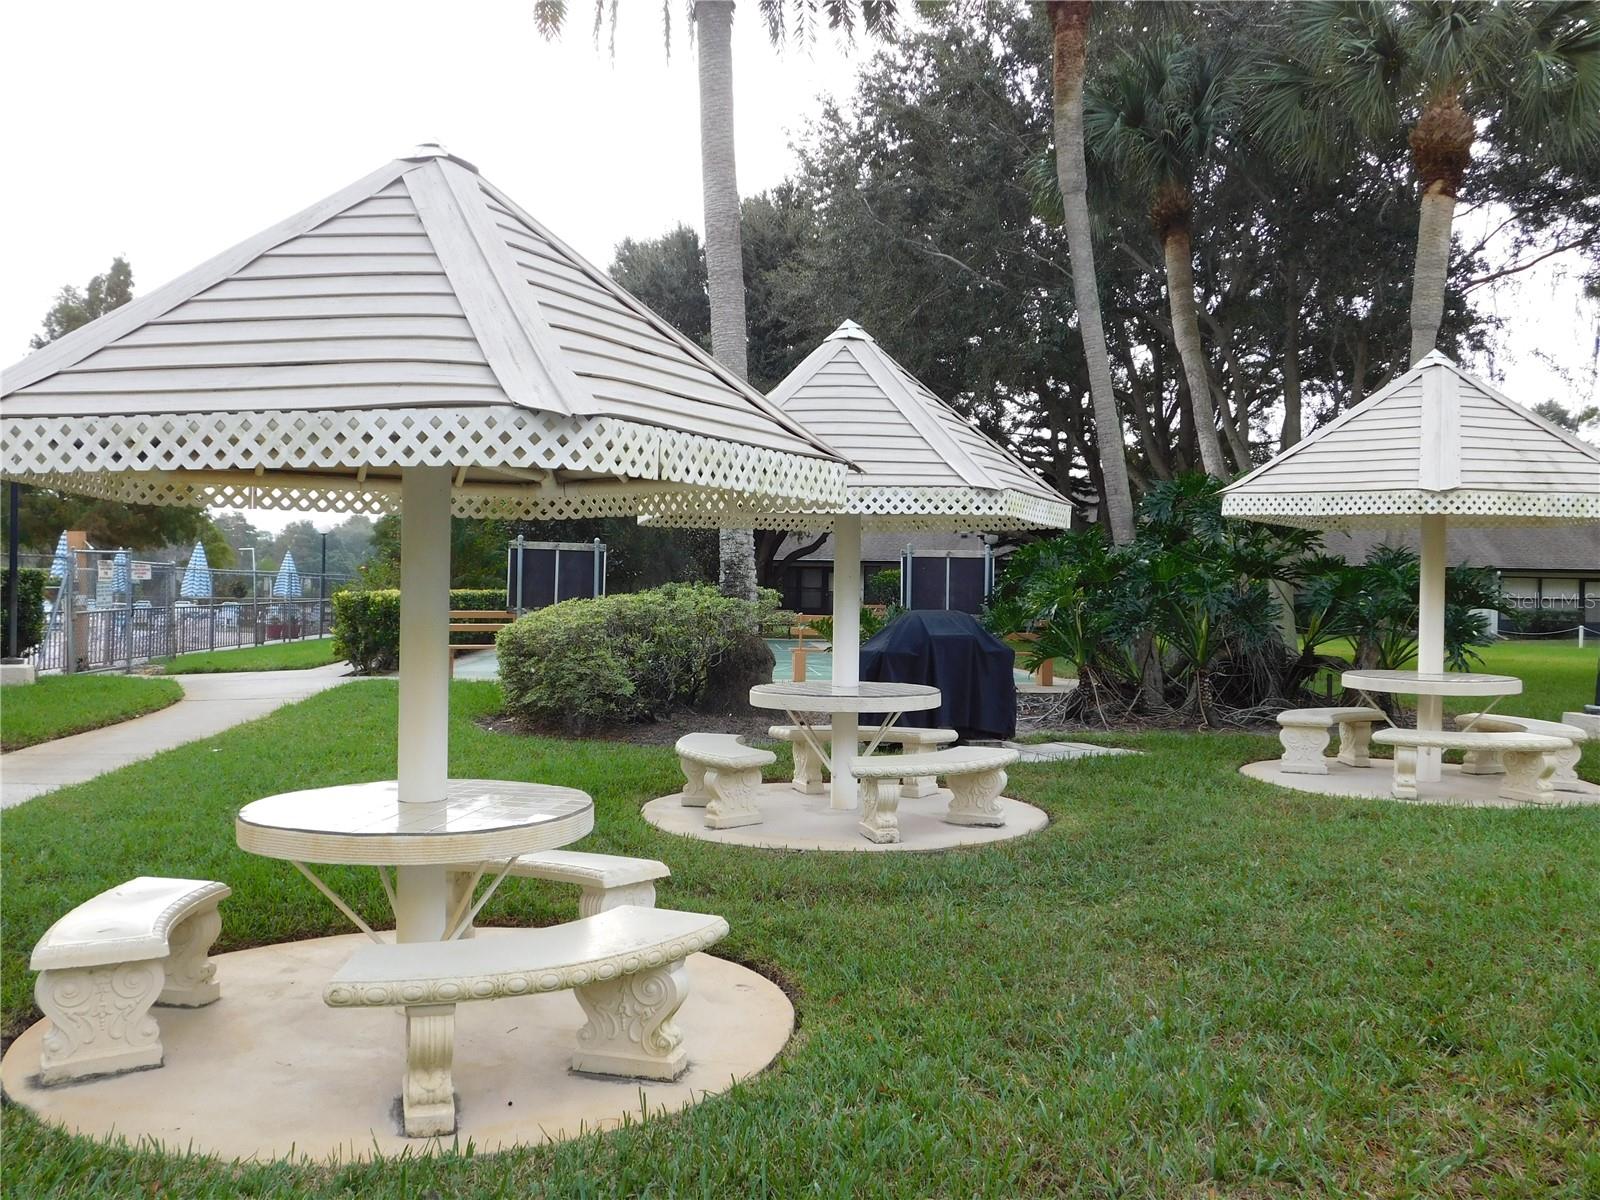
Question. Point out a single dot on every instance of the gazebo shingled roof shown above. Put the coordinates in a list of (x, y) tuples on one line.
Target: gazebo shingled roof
[(922, 465), (417, 317), (1435, 442)]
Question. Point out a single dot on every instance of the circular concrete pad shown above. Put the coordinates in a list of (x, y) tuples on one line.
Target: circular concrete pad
[(1455, 788), (792, 820), (269, 1071)]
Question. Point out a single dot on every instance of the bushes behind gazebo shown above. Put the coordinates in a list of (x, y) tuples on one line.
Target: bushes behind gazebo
[(585, 664), (30, 609), (366, 624)]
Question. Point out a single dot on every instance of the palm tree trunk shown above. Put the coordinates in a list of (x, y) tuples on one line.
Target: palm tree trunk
[(1291, 365), (1178, 252), (1432, 269), (1069, 21), (736, 550)]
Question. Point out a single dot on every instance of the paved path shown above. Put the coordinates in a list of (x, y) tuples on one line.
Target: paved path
[(210, 704)]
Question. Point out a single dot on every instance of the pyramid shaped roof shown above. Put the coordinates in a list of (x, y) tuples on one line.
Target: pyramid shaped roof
[(1436, 441), (416, 317), (922, 464)]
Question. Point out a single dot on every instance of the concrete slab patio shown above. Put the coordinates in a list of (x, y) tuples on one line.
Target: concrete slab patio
[(210, 704)]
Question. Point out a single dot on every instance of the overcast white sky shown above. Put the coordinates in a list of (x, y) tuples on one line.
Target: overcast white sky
[(169, 132)]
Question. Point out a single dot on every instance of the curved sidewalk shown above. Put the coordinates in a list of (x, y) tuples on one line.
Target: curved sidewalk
[(210, 704)]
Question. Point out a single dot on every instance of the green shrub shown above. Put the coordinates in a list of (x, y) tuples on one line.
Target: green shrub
[(30, 610), (633, 657), (883, 587), (366, 624)]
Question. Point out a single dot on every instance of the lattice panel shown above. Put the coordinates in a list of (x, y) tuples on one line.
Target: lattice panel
[(881, 508), (1401, 509), (143, 459)]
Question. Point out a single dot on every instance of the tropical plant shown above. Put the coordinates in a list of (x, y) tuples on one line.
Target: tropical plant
[(1350, 77), (1153, 121), (1069, 28)]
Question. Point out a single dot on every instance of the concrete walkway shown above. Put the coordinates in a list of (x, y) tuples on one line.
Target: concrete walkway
[(210, 704)]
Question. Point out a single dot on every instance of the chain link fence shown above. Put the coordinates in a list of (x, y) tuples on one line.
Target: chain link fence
[(114, 611)]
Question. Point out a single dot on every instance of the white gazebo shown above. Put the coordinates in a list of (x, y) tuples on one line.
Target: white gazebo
[(1436, 447), (414, 342), (923, 467)]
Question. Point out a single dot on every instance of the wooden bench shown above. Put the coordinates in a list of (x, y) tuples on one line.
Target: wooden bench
[(1527, 758), (722, 775), (808, 767), (103, 965), (1305, 732), (976, 776), (476, 620), (626, 967), (1487, 762)]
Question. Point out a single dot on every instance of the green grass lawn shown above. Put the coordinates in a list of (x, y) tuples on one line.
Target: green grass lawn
[(1189, 984), (58, 705), (280, 656)]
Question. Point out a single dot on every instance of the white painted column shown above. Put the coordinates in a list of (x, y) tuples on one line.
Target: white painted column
[(846, 652), (1430, 636), (422, 894)]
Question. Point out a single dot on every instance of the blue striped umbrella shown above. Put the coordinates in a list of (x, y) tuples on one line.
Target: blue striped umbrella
[(62, 563), (287, 584), (196, 584), (121, 574)]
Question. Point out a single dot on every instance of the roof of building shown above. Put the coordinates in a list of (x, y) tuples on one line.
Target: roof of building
[(885, 546), (923, 466), (418, 316), (1435, 441), (1568, 548)]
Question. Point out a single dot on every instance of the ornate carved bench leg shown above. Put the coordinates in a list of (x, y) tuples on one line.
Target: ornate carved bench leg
[(427, 1093), (914, 786), (733, 798), (1566, 778), (100, 1020), (1303, 746), (595, 900), (695, 794), (1355, 738), (1482, 762), (1529, 776), (191, 976), (975, 798), (1405, 773), (880, 811), (807, 769), (631, 1031)]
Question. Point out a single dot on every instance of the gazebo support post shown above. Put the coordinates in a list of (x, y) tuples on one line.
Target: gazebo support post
[(846, 652), (1430, 637), (422, 892)]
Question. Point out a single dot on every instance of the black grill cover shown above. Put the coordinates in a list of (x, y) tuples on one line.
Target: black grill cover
[(952, 652)]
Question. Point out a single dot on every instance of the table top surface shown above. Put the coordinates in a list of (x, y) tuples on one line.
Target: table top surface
[(819, 695), (479, 820), (1445, 683)]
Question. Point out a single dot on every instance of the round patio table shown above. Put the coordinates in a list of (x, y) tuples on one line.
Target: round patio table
[(1431, 688), (481, 825), (850, 700)]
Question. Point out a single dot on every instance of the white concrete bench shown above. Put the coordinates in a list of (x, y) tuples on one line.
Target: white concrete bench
[(626, 967), (976, 775), (606, 881), (1528, 765), (808, 767), (1305, 732), (104, 964), (722, 775), (1487, 762)]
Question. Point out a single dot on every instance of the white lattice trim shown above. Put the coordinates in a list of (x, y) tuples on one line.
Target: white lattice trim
[(176, 458), (1331, 510), (884, 509)]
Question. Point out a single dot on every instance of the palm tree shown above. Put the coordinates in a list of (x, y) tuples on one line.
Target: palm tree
[(1069, 28), (1525, 75), (713, 20), (1153, 122)]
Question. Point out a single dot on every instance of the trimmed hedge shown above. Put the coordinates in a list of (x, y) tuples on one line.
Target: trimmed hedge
[(633, 657), (30, 610), (366, 624)]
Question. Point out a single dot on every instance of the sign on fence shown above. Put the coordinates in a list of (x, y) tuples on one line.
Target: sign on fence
[(141, 572)]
